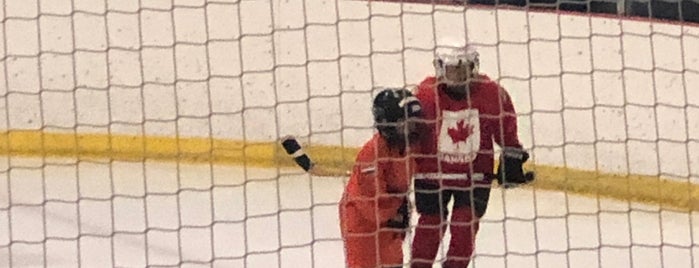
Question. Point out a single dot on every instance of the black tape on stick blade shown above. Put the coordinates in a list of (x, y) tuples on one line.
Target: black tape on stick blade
[(292, 147)]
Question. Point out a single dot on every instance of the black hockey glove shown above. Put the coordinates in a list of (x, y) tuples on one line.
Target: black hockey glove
[(510, 173), (401, 221)]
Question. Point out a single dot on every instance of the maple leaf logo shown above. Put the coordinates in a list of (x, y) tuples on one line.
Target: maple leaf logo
[(461, 132)]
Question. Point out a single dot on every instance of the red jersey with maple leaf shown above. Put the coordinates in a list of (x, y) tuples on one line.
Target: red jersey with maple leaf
[(458, 147)]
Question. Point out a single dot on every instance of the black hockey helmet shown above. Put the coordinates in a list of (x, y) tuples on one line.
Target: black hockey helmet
[(392, 108)]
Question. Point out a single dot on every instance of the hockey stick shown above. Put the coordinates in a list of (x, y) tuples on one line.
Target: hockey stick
[(294, 149)]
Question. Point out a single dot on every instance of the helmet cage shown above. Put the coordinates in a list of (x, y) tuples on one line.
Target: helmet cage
[(456, 66)]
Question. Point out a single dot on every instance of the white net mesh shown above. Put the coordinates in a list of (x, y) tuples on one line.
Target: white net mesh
[(143, 133)]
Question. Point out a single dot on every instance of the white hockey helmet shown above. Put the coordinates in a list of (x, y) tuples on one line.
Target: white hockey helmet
[(455, 62)]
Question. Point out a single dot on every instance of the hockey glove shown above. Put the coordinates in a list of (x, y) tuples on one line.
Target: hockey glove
[(510, 173), (401, 221)]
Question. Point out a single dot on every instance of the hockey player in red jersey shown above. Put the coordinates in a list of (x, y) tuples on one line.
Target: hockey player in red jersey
[(374, 207), (465, 113), (374, 211)]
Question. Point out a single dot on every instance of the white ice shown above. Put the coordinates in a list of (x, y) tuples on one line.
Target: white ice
[(61, 213)]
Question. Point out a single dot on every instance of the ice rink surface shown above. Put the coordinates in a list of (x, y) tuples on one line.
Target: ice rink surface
[(65, 213)]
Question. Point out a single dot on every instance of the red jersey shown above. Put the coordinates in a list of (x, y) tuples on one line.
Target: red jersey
[(377, 187), (458, 145)]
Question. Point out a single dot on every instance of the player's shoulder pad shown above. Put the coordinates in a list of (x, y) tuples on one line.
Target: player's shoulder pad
[(426, 87), (486, 81), (493, 87), (370, 150)]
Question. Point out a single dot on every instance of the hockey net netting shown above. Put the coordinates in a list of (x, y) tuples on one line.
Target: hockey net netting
[(144, 133)]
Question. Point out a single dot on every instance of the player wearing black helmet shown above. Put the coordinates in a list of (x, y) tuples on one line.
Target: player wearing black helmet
[(374, 211)]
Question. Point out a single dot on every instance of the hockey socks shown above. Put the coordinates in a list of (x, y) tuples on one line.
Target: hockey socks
[(428, 235), (463, 229)]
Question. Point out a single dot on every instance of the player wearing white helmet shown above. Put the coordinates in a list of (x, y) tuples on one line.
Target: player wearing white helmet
[(465, 113), (456, 64)]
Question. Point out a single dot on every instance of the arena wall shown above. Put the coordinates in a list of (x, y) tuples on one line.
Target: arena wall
[(601, 101)]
